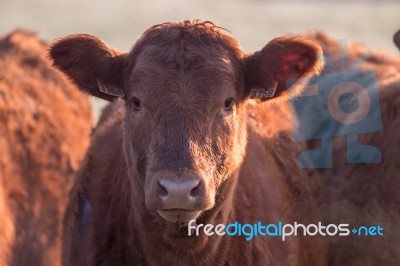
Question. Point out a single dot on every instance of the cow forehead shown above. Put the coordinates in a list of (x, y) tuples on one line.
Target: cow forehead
[(183, 58), (221, 70), (191, 73), (191, 64), (168, 87)]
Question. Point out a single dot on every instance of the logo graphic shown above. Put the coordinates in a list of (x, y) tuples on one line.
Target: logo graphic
[(344, 102), (280, 229)]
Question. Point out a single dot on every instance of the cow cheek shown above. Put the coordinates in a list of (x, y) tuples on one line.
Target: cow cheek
[(232, 144), (223, 135), (140, 140)]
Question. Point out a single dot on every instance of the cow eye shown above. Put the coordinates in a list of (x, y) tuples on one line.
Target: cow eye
[(136, 104), (229, 104)]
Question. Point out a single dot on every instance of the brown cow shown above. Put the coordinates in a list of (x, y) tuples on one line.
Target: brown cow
[(44, 129), (365, 194), (184, 142)]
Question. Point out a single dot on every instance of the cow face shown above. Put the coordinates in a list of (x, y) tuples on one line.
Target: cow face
[(185, 87)]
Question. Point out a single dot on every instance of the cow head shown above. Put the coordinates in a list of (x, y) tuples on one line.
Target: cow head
[(185, 87)]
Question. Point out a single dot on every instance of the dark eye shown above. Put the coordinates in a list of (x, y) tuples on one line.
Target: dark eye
[(229, 104), (136, 104)]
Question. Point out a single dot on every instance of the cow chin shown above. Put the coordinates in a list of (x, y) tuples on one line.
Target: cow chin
[(180, 216)]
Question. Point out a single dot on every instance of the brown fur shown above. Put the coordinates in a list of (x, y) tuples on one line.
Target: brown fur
[(44, 131), (183, 73), (366, 194)]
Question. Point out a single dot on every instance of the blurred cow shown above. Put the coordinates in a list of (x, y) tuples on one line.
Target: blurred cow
[(362, 184), (44, 131), (396, 39)]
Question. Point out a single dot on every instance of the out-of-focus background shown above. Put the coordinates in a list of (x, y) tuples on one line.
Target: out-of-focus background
[(252, 22)]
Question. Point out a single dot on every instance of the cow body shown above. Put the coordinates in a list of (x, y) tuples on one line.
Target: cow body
[(184, 143), (38, 154), (364, 194)]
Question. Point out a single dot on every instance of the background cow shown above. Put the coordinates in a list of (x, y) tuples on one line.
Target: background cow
[(44, 130), (360, 193), (183, 143), (396, 39)]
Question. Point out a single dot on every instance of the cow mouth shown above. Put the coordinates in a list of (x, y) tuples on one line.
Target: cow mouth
[(181, 216)]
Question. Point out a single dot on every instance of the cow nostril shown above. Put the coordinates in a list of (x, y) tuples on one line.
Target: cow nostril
[(195, 191), (163, 192)]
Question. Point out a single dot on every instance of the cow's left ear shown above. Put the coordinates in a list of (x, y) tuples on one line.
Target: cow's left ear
[(270, 72)]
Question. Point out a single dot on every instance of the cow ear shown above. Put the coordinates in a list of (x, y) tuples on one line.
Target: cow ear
[(93, 66), (396, 39), (270, 73)]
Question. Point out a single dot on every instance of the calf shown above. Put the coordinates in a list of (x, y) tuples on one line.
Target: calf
[(184, 143), (44, 131)]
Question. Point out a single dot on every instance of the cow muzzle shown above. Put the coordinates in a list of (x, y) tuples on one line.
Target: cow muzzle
[(178, 197)]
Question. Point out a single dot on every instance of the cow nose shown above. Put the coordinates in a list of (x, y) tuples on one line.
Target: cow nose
[(184, 189), (180, 193), (168, 191)]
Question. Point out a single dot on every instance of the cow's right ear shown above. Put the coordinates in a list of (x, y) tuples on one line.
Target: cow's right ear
[(95, 67)]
